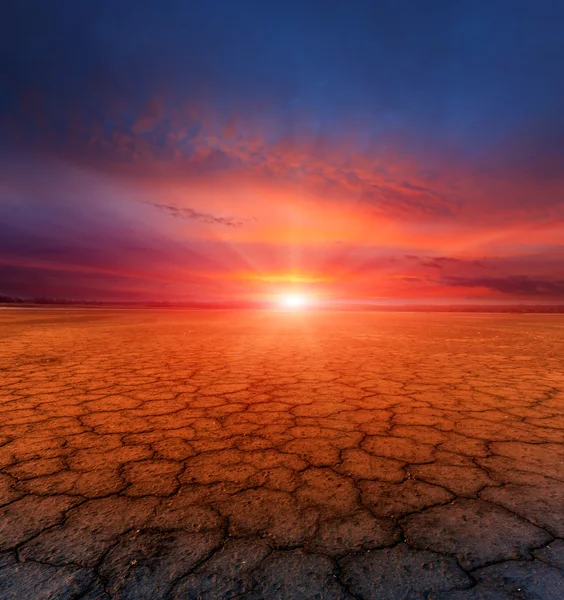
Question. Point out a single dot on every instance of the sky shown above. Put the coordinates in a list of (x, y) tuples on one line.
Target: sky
[(386, 152)]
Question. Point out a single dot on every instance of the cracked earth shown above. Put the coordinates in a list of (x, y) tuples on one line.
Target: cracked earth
[(264, 455)]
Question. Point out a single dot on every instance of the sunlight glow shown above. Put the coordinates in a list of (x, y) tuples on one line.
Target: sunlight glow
[(294, 301)]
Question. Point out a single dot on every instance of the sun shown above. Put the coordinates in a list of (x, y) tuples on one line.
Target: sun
[(294, 301)]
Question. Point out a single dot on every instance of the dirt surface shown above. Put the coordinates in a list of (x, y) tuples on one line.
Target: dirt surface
[(265, 455)]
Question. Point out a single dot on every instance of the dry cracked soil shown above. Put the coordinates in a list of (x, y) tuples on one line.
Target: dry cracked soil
[(148, 454)]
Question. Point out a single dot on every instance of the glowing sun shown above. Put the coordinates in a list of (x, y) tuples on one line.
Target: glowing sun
[(294, 301)]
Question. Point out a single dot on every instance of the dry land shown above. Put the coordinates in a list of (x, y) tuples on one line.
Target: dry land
[(149, 454)]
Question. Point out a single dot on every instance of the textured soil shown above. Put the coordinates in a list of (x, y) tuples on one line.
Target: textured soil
[(263, 455)]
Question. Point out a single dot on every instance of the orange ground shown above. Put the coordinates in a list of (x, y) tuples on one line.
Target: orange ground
[(186, 454)]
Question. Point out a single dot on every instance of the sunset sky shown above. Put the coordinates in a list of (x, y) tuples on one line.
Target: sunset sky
[(236, 150)]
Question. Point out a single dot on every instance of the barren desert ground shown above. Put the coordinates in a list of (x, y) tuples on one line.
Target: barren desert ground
[(151, 454)]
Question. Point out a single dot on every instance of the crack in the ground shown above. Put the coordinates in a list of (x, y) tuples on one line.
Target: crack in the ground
[(286, 442)]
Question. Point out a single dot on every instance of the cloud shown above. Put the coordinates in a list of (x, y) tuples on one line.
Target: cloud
[(517, 285), (445, 259), (441, 262), (190, 213)]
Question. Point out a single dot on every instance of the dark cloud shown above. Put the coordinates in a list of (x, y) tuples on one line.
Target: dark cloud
[(516, 285), (445, 259), (451, 261), (190, 213)]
